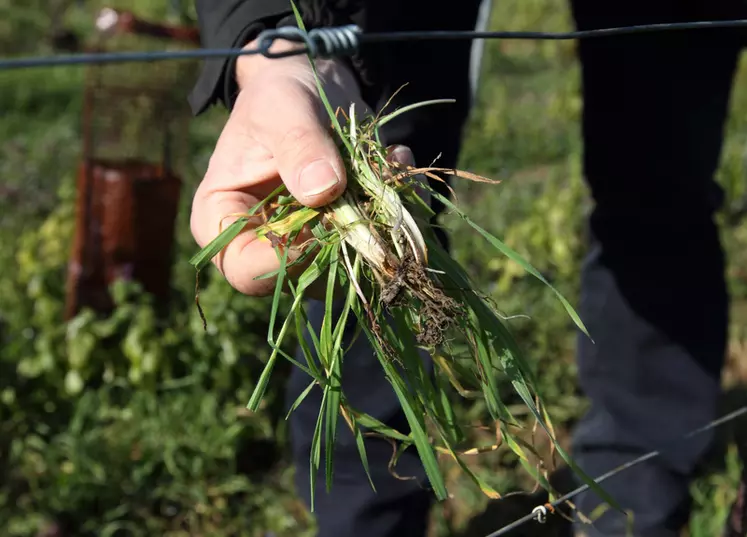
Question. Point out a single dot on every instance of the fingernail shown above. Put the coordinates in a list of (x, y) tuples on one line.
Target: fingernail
[(317, 178)]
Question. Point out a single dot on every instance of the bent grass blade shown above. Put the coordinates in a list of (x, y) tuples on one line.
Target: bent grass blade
[(514, 256), (205, 255)]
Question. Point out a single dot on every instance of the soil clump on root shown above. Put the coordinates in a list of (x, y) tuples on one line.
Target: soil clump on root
[(436, 310)]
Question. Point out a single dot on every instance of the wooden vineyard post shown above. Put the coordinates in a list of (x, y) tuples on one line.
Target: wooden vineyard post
[(128, 190)]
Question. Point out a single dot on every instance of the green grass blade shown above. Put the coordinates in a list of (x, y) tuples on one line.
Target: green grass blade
[(278, 295), (312, 358), (335, 378), (483, 356), (523, 392), (392, 115), (414, 420), (419, 435), (311, 362), (514, 256), (325, 339), (206, 254), (309, 276), (317, 268), (378, 427), (359, 442), (454, 432), (421, 382), (333, 412), (276, 344), (308, 252), (316, 448), (320, 88), (300, 398), (264, 379), (349, 300)]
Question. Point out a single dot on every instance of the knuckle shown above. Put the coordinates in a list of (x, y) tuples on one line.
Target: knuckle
[(298, 141)]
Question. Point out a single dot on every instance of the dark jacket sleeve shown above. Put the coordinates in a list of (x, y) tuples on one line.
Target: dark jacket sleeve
[(234, 23), (230, 24)]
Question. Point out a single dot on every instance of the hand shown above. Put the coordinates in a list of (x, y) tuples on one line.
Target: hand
[(277, 131)]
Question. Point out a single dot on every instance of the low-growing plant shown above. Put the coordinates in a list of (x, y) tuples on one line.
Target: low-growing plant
[(129, 462)]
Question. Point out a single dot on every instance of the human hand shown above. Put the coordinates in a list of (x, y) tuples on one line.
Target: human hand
[(277, 132)]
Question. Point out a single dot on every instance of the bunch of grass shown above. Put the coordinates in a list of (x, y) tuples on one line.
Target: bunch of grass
[(408, 295)]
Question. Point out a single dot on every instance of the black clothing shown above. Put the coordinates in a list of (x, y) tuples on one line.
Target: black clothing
[(653, 289)]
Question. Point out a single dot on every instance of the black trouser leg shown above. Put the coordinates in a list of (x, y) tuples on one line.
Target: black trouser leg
[(653, 287)]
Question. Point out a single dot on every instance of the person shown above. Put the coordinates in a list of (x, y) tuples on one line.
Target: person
[(653, 288)]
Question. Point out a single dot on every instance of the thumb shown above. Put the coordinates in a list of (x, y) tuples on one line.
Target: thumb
[(289, 124)]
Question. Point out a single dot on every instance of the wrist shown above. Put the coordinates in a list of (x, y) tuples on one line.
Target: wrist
[(249, 67)]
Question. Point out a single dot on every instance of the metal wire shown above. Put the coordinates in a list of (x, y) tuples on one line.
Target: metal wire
[(346, 40), (539, 513)]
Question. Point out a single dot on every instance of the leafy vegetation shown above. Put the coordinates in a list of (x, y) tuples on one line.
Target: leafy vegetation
[(135, 424)]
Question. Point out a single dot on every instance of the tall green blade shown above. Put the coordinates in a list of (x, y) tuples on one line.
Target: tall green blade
[(320, 88), (392, 115), (261, 388), (311, 274), (414, 420), (514, 256), (316, 448), (332, 414), (311, 361), (325, 340), (335, 378), (360, 444), (278, 295), (379, 427)]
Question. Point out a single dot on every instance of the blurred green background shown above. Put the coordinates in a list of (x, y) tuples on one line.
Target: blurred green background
[(133, 425)]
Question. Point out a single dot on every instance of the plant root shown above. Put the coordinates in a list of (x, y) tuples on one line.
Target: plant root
[(436, 311)]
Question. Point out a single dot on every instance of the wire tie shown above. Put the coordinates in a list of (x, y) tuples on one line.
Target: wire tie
[(540, 513), (320, 42)]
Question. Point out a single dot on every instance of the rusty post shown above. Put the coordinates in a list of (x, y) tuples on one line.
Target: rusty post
[(133, 127)]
